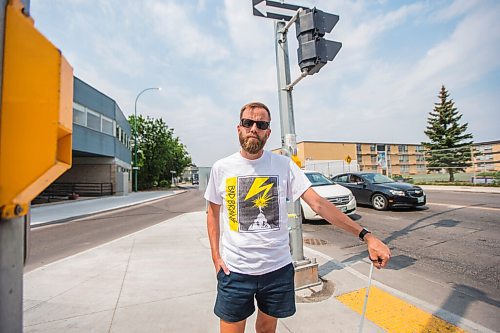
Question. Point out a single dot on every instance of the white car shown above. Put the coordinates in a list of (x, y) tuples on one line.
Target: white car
[(337, 194)]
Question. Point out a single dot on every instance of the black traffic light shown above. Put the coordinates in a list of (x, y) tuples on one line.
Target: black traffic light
[(314, 51)]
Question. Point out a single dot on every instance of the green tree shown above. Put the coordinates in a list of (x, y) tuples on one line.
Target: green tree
[(449, 145), (159, 151)]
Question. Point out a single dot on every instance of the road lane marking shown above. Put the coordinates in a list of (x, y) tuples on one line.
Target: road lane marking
[(442, 313), (394, 315), (462, 206)]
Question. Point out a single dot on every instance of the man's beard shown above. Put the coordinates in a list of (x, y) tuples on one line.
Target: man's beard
[(252, 146)]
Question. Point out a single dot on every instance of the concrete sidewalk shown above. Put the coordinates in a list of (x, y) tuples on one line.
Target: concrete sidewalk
[(160, 279), (478, 189), (67, 210)]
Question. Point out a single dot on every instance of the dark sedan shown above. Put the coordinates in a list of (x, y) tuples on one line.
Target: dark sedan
[(381, 191)]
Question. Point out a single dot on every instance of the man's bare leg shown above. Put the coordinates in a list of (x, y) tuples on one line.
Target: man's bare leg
[(265, 323), (237, 327)]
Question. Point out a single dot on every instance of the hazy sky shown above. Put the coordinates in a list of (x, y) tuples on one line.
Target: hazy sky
[(212, 57)]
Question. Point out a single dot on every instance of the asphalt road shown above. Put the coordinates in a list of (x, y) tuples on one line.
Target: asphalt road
[(57, 241), (446, 253)]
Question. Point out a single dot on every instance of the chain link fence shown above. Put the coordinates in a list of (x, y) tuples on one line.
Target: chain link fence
[(332, 167), (476, 165)]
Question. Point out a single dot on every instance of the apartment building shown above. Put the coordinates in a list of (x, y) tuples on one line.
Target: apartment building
[(486, 156), (390, 158)]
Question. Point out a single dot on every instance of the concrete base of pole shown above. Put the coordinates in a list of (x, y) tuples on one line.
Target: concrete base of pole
[(306, 274)]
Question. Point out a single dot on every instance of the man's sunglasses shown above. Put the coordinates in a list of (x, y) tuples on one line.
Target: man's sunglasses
[(248, 123)]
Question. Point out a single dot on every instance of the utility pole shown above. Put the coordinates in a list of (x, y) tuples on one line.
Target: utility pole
[(306, 271), (473, 160)]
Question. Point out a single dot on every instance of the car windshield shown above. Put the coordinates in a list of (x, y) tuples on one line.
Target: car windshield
[(317, 179), (376, 178)]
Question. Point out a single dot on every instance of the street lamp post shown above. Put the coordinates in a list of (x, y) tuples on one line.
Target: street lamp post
[(173, 173), (135, 168)]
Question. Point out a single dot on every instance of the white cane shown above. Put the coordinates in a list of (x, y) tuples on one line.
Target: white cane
[(366, 298)]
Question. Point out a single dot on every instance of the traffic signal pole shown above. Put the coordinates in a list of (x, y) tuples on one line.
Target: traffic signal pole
[(287, 122), (313, 52), (306, 271)]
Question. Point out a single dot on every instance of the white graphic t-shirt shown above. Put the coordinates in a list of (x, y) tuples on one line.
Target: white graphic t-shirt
[(253, 195)]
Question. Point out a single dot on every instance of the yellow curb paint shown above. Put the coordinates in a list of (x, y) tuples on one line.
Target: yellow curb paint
[(395, 315)]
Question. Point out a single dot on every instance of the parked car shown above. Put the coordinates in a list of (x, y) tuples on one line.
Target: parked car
[(381, 191), (335, 193)]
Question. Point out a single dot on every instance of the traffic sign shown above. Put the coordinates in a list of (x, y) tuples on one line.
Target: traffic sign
[(274, 10), (348, 159)]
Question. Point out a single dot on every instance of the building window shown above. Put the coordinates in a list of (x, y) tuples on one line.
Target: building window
[(402, 148), (419, 148), (107, 125), (358, 147), (388, 148), (373, 147), (374, 167), (405, 168), (488, 157), (420, 158), (373, 159), (404, 158), (484, 148), (93, 120), (79, 114), (420, 167)]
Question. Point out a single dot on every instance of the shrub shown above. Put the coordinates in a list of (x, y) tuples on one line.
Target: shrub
[(164, 183)]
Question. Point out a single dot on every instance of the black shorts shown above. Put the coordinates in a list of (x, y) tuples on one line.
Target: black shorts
[(274, 292)]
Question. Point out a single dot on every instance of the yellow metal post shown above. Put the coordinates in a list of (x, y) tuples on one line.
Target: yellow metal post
[(36, 116), (36, 84)]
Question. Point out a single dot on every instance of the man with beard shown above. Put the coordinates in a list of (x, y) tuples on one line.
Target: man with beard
[(253, 187)]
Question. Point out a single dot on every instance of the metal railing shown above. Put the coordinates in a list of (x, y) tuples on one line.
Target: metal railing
[(65, 190)]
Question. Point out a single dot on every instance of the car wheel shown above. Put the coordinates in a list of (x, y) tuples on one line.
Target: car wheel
[(379, 202)]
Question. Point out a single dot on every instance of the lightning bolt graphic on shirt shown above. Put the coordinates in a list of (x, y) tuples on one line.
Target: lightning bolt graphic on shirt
[(257, 187)]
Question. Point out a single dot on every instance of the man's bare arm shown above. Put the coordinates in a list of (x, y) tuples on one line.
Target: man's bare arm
[(213, 228), (379, 253)]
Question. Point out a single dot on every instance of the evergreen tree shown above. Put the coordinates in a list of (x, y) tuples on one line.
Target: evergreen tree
[(449, 145)]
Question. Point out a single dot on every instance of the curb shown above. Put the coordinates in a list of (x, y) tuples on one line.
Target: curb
[(479, 189), (67, 219)]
